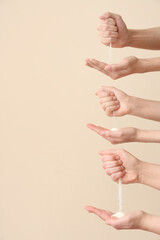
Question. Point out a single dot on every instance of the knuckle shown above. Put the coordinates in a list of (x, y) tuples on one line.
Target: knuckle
[(113, 142), (114, 77), (107, 14), (103, 165), (104, 107), (121, 134), (115, 73), (107, 110), (108, 171), (119, 17), (102, 158), (103, 41), (108, 34), (113, 177), (117, 228)]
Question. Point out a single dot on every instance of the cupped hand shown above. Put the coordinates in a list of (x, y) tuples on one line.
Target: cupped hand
[(127, 66), (122, 135), (132, 220)]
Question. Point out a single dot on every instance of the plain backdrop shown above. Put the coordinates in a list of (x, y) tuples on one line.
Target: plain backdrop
[(49, 163)]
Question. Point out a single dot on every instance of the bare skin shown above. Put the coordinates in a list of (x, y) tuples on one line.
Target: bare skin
[(129, 65), (133, 220), (115, 100), (112, 29), (119, 163), (126, 135)]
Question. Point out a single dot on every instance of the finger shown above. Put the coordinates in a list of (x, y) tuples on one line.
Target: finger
[(107, 15), (109, 151), (110, 103), (116, 176), (107, 27), (88, 62), (111, 164), (108, 99), (109, 110), (96, 129), (113, 140), (110, 157), (97, 63), (117, 67), (108, 40), (102, 94), (107, 89), (100, 66), (115, 71), (101, 131), (108, 21), (103, 214), (114, 170), (113, 134), (108, 34), (118, 223)]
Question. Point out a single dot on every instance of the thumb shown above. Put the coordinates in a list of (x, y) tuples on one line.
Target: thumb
[(113, 134)]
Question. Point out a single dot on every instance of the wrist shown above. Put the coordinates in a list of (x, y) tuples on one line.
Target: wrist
[(136, 37), (137, 106), (136, 135), (132, 37), (150, 223), (132, 105), (143, 136), (140, 171), (144, 221), (143, 65)]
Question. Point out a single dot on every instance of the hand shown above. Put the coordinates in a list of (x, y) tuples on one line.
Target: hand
[(114, 100), (132, 220), (113, 29), (127, 66), (119, 163), (122, 135)]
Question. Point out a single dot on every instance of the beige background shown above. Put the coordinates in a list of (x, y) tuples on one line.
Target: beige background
[(49, 166)]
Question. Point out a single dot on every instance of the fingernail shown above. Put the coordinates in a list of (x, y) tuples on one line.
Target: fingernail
[(108, 67), (108, 222), (103, 133), (100, 152)]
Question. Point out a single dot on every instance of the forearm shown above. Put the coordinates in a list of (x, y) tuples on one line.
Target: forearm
[(149, 174), (148, 65), (150, 223), (144, 38), (144, 108), (147, 136)]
